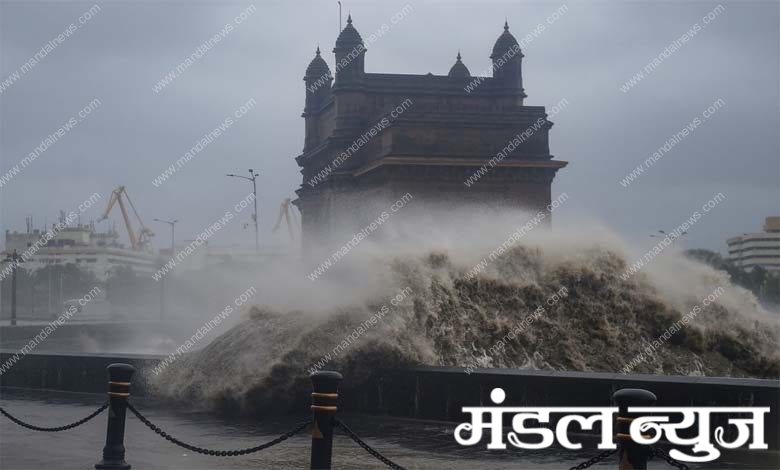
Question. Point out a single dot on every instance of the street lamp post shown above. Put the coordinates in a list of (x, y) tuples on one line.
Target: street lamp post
[(172, 223), (253, 178), (664, 235), (162, 291), (16, 260)]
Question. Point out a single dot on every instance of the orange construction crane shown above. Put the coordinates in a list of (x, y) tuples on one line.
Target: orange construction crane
[(292, 222), (139, 242)]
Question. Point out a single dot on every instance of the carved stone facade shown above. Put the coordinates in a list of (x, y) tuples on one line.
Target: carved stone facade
[(375, 137)]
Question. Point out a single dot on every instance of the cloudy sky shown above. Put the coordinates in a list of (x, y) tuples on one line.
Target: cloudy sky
[(585, 56)]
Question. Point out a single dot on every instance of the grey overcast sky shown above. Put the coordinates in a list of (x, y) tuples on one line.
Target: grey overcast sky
[(585, 56)]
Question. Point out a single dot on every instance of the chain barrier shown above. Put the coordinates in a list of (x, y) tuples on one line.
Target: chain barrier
[(594, 460), (55, 429), (362, 443), (219, 453), (655, 451)]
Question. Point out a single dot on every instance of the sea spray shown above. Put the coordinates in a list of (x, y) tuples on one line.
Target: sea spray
[(450, 319)]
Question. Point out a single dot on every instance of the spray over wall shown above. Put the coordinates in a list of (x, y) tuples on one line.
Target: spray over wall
[(553, 300)]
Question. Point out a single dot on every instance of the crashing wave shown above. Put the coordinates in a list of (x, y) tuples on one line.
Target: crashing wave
[(437, 312)]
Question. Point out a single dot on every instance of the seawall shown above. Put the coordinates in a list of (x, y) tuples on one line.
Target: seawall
[(438, 393)]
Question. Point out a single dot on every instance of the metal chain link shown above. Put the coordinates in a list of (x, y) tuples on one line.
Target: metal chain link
[(594, 460), (662, 453), (368, 448), (655, 451), (219, 453), (55, 429)]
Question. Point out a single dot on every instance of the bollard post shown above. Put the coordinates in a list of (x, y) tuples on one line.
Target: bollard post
[(118, 391), (631, 456), (324, 404)]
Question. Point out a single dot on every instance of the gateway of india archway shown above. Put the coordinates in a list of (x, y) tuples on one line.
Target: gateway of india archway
[(378, 136)]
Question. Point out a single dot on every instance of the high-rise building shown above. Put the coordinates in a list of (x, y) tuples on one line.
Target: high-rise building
[(757, 249)]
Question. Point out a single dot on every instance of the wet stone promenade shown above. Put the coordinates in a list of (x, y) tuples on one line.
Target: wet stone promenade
[(413, 444)]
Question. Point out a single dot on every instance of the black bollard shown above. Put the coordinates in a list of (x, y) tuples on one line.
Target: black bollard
[(324, 404), (118, 391), (631, 456)]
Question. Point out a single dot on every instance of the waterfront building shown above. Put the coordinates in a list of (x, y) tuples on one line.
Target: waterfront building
[(97, 252), (757, 249)]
